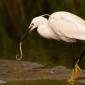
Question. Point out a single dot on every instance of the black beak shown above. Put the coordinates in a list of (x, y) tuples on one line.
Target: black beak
[(25, 33)]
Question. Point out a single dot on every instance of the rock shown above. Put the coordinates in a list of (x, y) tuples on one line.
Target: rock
[(3, 82)]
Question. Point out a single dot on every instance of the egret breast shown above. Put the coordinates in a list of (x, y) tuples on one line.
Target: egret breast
[(46, 32)]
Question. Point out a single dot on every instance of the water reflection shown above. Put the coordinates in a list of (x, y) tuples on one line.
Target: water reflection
[(43, 82)]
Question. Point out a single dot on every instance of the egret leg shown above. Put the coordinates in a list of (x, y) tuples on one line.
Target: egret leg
[(77, 69), (75, 72)]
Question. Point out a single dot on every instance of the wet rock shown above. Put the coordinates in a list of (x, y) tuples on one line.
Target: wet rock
[(3, 82)]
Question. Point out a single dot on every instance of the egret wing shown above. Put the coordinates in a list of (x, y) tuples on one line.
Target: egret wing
[(67, 25)]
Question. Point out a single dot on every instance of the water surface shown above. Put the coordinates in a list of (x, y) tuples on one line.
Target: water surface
[(43, 82)]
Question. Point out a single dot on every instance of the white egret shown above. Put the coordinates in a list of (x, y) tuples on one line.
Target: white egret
[(61, 26)]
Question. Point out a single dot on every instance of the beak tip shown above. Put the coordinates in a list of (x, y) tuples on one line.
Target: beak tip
[(30, 30)]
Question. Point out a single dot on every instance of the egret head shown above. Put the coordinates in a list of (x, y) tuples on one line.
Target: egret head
[(37, 21)]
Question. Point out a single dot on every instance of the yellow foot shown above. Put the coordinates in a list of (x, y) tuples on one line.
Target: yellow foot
[(72, 76), (75, 73), (72, 83)]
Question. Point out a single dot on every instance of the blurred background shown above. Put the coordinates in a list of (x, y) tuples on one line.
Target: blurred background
[(15, 15)]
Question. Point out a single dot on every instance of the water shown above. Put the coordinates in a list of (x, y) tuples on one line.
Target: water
[(42, 82)]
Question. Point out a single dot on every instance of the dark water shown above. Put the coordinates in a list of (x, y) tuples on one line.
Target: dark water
[(42, 82)]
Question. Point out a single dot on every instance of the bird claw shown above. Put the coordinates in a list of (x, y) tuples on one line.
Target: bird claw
[(72, 76), (75, 73)]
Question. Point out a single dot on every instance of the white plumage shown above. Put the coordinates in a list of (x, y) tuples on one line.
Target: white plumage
[(60, 26)]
